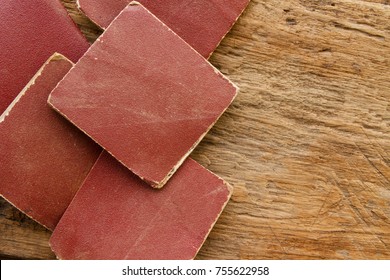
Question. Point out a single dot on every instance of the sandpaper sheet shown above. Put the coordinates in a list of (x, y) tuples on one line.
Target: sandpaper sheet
[(115, 215), (144, 95), (30, 32), (202, 23), (43, 158)]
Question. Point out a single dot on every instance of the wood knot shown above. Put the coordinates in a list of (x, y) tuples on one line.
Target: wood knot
[(291, 21)]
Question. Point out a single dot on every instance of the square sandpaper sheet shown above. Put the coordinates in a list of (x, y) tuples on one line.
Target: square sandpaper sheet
[(115, 215), (30, 32), (43, 158), (144, 95), (202, 23)]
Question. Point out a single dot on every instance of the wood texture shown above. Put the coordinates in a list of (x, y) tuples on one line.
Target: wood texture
[(306, 144)]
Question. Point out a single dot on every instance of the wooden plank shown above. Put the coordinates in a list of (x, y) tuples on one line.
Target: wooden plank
[(21, 237), (306, 143)]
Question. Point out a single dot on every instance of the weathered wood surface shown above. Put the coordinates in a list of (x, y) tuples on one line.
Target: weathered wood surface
[(306, 143)]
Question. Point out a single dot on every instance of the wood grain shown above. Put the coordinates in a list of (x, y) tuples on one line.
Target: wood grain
[(306, 143)]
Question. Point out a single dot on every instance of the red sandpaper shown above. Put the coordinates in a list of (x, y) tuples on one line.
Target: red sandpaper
[(144, 95), (30, 32), (43, 158), (115, 215), (202, 23)]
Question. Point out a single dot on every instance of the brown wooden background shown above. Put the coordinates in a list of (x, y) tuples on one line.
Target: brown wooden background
[(306, 144)]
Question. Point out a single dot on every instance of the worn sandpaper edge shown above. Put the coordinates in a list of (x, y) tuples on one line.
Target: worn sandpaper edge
[(28, 215), (55, 57), (42, 224), (99, 144), (230, 190), (230, 193), (229, 29), (183, 158), (80, 8)]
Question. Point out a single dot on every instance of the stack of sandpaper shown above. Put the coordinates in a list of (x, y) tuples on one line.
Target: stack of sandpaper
[(95, 146)]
